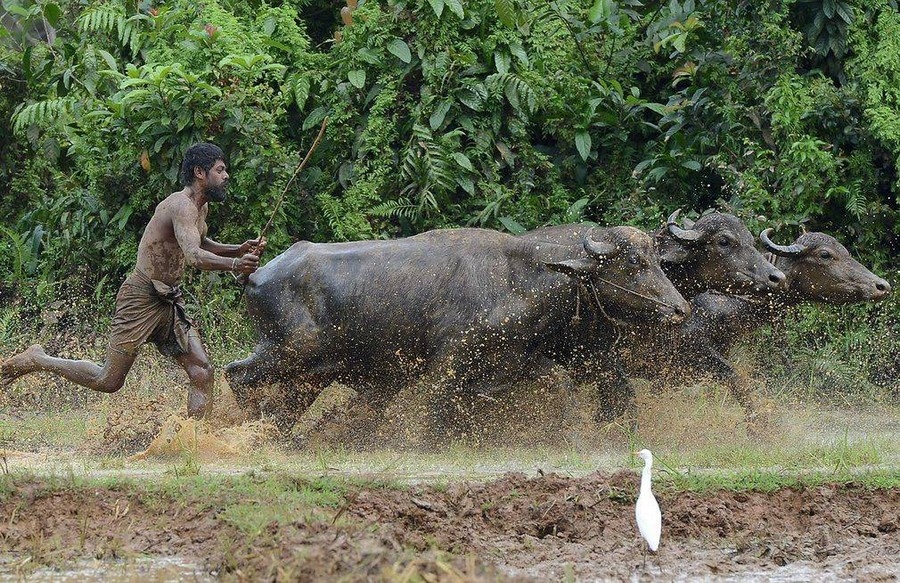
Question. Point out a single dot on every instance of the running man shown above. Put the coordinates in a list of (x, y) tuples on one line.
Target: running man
[(149, 305)]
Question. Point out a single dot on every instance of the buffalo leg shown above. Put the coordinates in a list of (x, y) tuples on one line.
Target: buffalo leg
[(712, 361), (249, 373), (615, 394)]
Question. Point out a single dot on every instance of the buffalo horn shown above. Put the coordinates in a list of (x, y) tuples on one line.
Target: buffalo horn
[(781, 250), (683, 235), (598, 250)]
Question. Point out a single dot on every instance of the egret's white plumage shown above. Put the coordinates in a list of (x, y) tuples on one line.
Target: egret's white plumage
[(646, 511)]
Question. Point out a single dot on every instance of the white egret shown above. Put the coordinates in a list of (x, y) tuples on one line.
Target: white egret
[(646, 511)]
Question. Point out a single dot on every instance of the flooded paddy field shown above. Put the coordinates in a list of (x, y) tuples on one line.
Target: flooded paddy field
[(122, 488)]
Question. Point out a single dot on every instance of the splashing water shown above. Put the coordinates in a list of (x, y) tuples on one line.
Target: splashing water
[(179, 436)]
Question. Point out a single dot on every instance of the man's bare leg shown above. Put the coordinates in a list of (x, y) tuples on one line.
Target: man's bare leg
[(107, 378), (196, 364)]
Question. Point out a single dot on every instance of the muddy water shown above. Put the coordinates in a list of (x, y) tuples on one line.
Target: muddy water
[(690, 430), (140, 570)]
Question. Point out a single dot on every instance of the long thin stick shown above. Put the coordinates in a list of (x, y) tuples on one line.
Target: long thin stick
[(296, 172), (244, 278)]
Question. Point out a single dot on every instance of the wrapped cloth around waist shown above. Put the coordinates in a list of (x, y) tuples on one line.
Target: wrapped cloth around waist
[(150, 310)]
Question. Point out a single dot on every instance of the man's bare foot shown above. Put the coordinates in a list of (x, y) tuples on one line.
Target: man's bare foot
[(21, 364)]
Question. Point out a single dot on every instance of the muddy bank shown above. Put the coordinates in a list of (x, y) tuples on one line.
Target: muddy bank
[(514, 528)]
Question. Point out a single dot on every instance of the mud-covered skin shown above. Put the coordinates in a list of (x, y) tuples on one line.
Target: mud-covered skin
[(823, 272), (722, 257), (467, 311), (717, 252)]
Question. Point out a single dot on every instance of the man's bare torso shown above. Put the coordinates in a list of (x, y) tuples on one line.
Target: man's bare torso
[(159, 254)]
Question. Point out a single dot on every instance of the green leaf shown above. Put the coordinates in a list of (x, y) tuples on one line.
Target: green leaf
[(519, 52), (134, 81), (583, 143), (470, 99), (511, 225), (600, 11), (370, 56), (466, 184), (437, 6), (505, 153), (357, 78), (52, 12), (437, 118), (691, 165), (455, 7), (506, 12), (463, 161), (502, 61), (845, 11), (314, 118), (110, 60), (400, 49), (17, 10), (301, 91)]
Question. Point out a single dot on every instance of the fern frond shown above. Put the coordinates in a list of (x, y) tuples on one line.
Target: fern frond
[(103, 18), (109, 18), (402, 207), (855, 201), (41, 113)]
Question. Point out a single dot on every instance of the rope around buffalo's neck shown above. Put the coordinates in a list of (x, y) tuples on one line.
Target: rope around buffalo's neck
[(630, 291)]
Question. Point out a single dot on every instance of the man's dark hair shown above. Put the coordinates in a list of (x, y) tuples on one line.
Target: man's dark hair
[(203, 155)]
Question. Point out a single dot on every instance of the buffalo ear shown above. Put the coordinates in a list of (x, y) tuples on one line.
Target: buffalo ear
[(674, 254), (670, 250), (576, 268)]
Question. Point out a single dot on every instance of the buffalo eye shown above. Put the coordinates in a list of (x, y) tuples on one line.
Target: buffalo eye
[(825, 254), (724, 242)]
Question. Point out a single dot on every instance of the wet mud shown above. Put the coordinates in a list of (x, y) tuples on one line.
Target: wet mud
[(514, 528), (450, 520)]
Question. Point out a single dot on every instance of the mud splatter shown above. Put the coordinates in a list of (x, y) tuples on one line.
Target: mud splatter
[(179, 436)]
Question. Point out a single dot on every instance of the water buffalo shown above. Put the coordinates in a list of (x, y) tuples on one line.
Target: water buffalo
[(463, 310), (818, 269), (717, 252)]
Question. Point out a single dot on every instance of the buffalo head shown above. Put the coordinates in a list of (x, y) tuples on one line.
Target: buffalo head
[(819, 268), (622, 273), (717, 252)]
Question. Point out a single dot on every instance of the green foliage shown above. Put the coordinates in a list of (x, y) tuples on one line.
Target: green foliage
[(506, 114)]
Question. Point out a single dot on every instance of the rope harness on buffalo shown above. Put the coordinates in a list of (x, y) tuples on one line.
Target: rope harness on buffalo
[(577, 317), (616, 323)]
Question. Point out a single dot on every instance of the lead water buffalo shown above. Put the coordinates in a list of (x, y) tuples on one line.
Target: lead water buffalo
[(464, 311), (818, 269)]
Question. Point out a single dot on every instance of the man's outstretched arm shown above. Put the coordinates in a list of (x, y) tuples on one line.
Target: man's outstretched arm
[(255, 246), (184, 221)]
